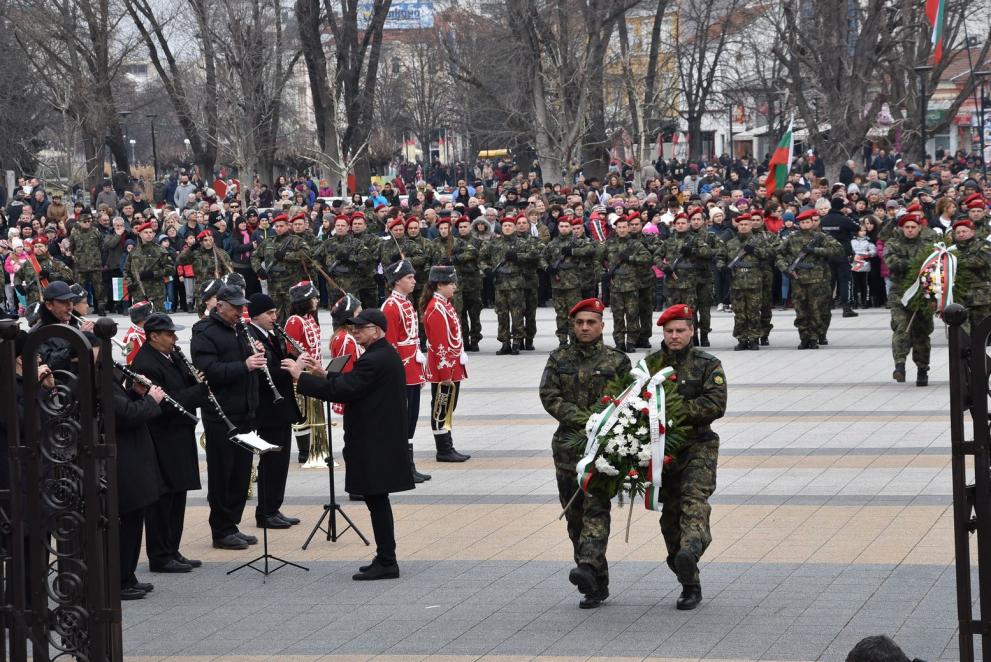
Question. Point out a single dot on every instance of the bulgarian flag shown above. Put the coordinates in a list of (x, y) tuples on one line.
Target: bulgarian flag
[(777, 172), (935, 11)]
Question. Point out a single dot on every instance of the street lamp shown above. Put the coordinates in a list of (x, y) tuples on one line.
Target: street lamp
[(132, 141), (981, 76), (922, 71), (154, 145), (186, 141)]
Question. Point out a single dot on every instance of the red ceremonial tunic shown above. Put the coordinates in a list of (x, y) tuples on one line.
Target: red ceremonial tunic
[(404, 334), (305, 331), (344, 343), (133, 339), (445, 347)]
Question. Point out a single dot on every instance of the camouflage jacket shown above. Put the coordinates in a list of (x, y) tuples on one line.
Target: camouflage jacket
[(574, 379), (974, 262), (530, 267), (624, 258), (507, 257), (207, 264), (687, 255), (464, 258), (772, 241), (51, 270), (815, 249), (706, 255), (702, 383), (149, 263), (369, 258), (590, 265), (899, 252), (746, 273), (565, 258), (420, 254), (87, 248), (343, 255), (284, 258)]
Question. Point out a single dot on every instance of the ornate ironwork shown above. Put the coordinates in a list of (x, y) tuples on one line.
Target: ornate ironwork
[(64, 577)]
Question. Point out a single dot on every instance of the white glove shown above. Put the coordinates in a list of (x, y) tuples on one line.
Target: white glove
[(463, 358), (421, 358)]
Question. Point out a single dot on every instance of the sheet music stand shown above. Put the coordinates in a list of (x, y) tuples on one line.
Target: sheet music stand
[(332, 508), (256, 446)]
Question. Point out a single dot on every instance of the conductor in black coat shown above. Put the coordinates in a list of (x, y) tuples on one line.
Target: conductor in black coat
[(375, 447), (274, 420), (174, 436)]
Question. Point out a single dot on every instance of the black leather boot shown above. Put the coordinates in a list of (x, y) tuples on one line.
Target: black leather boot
[(691, 596), (303, 444), (417, 476), (703, 339), (528, 345), (505, 349), (922, 378), (445, 449), (899, 373)]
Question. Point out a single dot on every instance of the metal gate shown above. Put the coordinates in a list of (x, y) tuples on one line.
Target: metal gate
[(58, 522), (969, 393)]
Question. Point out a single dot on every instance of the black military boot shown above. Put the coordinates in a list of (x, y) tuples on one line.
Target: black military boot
[(685, 567), (691, 596), (899, 373), (471, 347), (642, 344), (445, 449), (812, 344), (803, 345), (742, 345), (583, 577), (765, 341), (594, 599), (850, 312), (753, 345), (515, 348), (823, 340), (505, 349), (922, 378), (528, 345), (417, 476), (703, 340)]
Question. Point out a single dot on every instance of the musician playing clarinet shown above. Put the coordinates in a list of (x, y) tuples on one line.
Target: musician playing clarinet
[(221, 352), (173, 435), (277, 412)]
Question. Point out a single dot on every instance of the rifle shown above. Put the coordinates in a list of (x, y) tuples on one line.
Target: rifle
[(806, 249), (739, 256), (674, 265)]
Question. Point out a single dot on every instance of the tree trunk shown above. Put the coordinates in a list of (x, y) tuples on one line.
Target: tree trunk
[(115, 141), (694, 137)]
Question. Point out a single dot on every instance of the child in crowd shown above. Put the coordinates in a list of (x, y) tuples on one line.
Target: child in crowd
[(863, 250)]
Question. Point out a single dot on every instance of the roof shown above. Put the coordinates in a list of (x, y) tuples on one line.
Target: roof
[(958, 69)]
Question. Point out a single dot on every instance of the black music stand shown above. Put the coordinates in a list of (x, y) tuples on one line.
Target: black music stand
[(265, 557), (332, 508)]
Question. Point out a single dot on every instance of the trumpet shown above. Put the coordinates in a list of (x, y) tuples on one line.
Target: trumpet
[(289, 340), (141, 379), (231, 428), (79, 318), (265, 371)]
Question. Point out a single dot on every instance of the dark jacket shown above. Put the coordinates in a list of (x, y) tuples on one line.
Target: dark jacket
[(841, 228), (173, 433), (285, 412), (375, 447), (138, 478), (219, 351)]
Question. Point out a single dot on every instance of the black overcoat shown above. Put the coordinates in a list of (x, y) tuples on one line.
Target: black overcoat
[(138, 478), (375, 446)]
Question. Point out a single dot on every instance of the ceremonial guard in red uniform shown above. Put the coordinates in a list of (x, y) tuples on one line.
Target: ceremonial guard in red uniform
[(446, 358), (302, 326), (135, 335), (343, 342), (403, 333)]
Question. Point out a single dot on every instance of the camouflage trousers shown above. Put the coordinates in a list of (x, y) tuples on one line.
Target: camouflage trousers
[(625, 308), (645, 307), (93, 281), (588, 516), (509, 314), (687, 485), (564, 300), (685, 295), (704, 297), (811, 302), (530, 312), (746, 313), (914, 338), (766, 300), (154, 292), (470, 313)]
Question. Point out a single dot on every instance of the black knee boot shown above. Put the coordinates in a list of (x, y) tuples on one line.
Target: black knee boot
[(445, 449), (417, 476)]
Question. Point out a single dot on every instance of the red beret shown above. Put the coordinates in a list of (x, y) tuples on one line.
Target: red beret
[(970, 198), (342, 217), (508, 219), (965, 222), (204, 233), (398, 220), (143, 227), (807, 214), (443, 220), (679, 311), (632, 215), (381, 206), (576, 220), (911, 217), (357, 214), (914, 207), (281, 217), (297, 217), (680, 214), (742, 217), (411, 219), (588, 305), (695, 210), (40, 239), (976, 202)]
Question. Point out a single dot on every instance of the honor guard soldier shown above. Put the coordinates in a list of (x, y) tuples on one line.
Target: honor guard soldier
[(766, 268), (705, 275), (745, 251), (303, 327), (502, 257), (676, 258), (563, 257), (574, 379), (342, 341), (134, 337), (690, 479), (625, 255), (43, 268), (974, 269), (470, 285), (900, 251), (174, 438), (446, 358), (147, 267), (367, 248), (86, 244), (208, 261), (282, 261)]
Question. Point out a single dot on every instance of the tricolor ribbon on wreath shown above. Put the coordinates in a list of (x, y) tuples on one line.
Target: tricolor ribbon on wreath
[(941, 267), (599, 425)]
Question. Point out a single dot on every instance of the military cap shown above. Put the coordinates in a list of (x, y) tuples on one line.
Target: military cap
[(210, 289), (963, 222), (235, 279), (808, 214), (743, 217), (679, 215), (975, 201), (913, 208), (281, 218), (78, 290), (410, 220), (398, 220), (910, 217), (297, 217), (345, 307), (398, 270), (342, 217), (443, 220), (678, 311), (442, 274), (40, 239), (140, 311), (203, 235), (144, 226), (302, 291), (592, 305)]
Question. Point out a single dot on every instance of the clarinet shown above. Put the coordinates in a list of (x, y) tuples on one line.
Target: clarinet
[(231, 428), (265, 371), (289, 340), (141, 379)]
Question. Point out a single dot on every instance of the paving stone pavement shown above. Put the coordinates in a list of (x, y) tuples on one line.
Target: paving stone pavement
[(831, 521)]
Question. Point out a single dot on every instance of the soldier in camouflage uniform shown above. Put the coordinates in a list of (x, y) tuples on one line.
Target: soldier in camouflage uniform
[(591, 264), (368, 261), (530, 279), (977, 213), (804, 256), (974, 268), (49, 270), (574, 379), (146, 268), (676, 257), (209, 262), (86, 244), (465, 260), (282, 260), (743, 255), (899, 252), (624, 256), (690, 479), (420, 252), (562, 256), (341, 255), (705, 275), (766, 268), (647, 281), (503, 257)]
